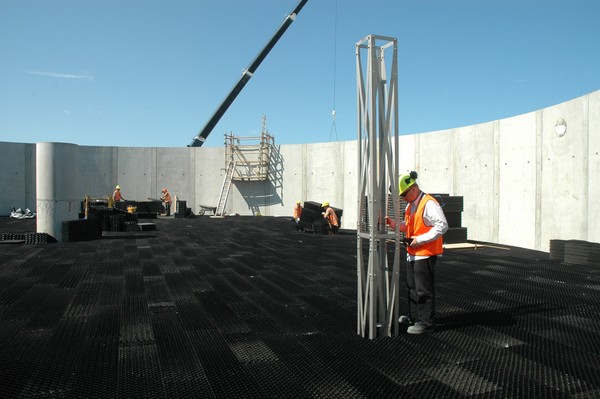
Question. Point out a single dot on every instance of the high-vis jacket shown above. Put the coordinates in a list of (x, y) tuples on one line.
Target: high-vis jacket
[(416, 226), (331, 216), (297, 211)]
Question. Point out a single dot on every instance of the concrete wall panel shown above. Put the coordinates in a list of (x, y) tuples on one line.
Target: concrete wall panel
[(515, 174), (516, 181), (324, 176), (350, 185), (564, 182), (134, 172), (293, 178), (17, 177), (472, 167), (174, 171), (593, 133), (209, 170), (407, 146), (96, 175), (436, 155)]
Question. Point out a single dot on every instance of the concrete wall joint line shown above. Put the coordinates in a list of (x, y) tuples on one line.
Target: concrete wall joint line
[(586, 169), (539, 145), (496, 183)]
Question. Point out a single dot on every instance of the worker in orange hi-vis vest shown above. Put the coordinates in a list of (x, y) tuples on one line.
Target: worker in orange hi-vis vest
[(117, 195), (297, 211), (331, 222), (424, 225), (297, 215), (165, 197)]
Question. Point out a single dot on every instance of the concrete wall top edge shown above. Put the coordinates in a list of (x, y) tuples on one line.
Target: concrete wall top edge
[(593, 92)]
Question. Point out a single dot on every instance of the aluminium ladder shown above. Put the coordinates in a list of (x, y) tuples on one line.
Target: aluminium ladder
[(225, 189)]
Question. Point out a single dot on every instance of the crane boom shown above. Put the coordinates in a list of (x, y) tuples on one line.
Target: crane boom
[(200, 138)]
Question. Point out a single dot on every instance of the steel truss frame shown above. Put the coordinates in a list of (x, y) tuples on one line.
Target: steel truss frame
[(377, 97)]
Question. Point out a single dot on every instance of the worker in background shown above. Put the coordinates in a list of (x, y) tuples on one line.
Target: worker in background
[(165, 197), (297, 214), (331, 222), (117, 196), (423, 226)]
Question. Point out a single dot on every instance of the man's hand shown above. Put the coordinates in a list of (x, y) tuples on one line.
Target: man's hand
[(414, 243)]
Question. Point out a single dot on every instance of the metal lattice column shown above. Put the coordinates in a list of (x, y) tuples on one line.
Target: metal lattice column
[(377, 94)]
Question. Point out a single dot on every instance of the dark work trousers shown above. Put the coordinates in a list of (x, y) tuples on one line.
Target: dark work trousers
[(421, 289)]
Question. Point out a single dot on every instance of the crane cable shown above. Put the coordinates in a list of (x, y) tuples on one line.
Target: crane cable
[(333, 127)]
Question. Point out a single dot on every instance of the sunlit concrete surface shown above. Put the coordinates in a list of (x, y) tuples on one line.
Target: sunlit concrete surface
[(526, 180)]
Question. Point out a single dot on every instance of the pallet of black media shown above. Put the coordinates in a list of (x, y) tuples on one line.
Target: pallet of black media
[(147, 226)]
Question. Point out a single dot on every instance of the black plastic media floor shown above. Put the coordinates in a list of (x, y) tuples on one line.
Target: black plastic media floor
[(248, 307)]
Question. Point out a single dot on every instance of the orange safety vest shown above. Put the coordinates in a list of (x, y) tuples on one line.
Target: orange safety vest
[(331, 216), (117, 195), (415, 226), (167, 197), (297, 211)]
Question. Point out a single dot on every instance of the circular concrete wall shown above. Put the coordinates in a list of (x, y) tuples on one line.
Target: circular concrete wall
[(56, 186)]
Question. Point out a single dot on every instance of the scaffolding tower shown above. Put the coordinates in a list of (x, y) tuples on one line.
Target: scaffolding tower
[(250, 155), (378, 272)]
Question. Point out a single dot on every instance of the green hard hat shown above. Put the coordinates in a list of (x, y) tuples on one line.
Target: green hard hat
[(407, 180)]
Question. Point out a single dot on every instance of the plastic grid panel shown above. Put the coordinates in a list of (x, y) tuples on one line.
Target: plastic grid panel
[(231, 321)]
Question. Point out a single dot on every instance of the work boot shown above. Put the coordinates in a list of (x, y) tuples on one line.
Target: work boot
[(419, 328)]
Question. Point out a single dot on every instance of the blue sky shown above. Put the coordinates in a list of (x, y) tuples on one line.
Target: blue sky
[(151, 73)]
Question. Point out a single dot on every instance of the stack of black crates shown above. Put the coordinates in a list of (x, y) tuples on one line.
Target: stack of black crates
[(312, 219), (181, 210), (101, 218), (81, 230), (144, 209), (578, 252), (27, 238), (452, 206)]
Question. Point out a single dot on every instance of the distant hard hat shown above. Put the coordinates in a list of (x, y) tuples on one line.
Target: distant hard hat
[(324, 204), (407, 180), (298, 202), (118, 187)]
